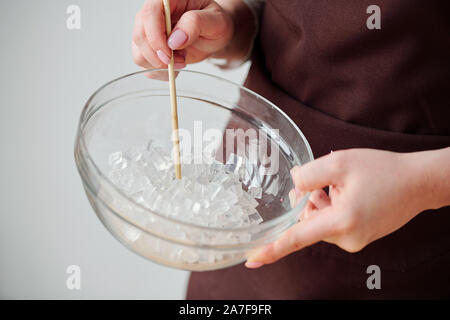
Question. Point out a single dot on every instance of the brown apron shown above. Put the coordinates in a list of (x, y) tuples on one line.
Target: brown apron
[(350, 87)]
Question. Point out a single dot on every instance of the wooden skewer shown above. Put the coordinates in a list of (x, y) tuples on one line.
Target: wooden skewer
[(173, 96)]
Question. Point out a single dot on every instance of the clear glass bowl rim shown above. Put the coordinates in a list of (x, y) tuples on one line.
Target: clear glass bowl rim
[(85, 154)]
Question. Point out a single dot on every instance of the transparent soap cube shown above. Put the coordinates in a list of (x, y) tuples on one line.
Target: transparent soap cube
[(209, 194), (255, 192)]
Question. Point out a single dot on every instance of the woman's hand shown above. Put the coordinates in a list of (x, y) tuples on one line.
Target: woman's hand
[(372, 194), (202, 29)]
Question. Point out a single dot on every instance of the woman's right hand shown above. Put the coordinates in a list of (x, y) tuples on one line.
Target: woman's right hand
[(202, 28)]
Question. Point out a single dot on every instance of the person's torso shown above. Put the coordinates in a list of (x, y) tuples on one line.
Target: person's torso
[(348, 86), (396, 78)]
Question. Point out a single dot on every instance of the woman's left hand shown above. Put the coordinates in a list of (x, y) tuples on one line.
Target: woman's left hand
[(372, 194)]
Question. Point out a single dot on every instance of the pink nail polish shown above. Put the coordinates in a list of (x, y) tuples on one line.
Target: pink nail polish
[(176, 39), (253, 265), (298, 192), (163, 57)]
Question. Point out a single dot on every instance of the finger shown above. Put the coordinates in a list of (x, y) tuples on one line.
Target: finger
[(301, 235), (138, 58), (293, 198), (153, 20), (320, 199), (179, 58), (207, 23), (316, 174), (140, 40), (308, 211)]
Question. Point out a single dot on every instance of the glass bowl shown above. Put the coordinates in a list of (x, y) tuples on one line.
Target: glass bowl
[(134, 109)]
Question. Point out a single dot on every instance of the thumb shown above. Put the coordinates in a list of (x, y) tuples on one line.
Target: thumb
[(317, 174), (209, 23)]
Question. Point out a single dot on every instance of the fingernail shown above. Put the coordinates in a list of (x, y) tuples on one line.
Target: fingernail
[(253, 265), (179, 65), (292, 198), (298, 192), (176, 39), (163, 57)]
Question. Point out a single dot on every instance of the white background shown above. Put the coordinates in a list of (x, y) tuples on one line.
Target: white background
[(46, 223)]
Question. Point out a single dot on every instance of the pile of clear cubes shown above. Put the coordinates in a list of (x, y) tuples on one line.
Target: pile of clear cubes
[(210, 193)]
